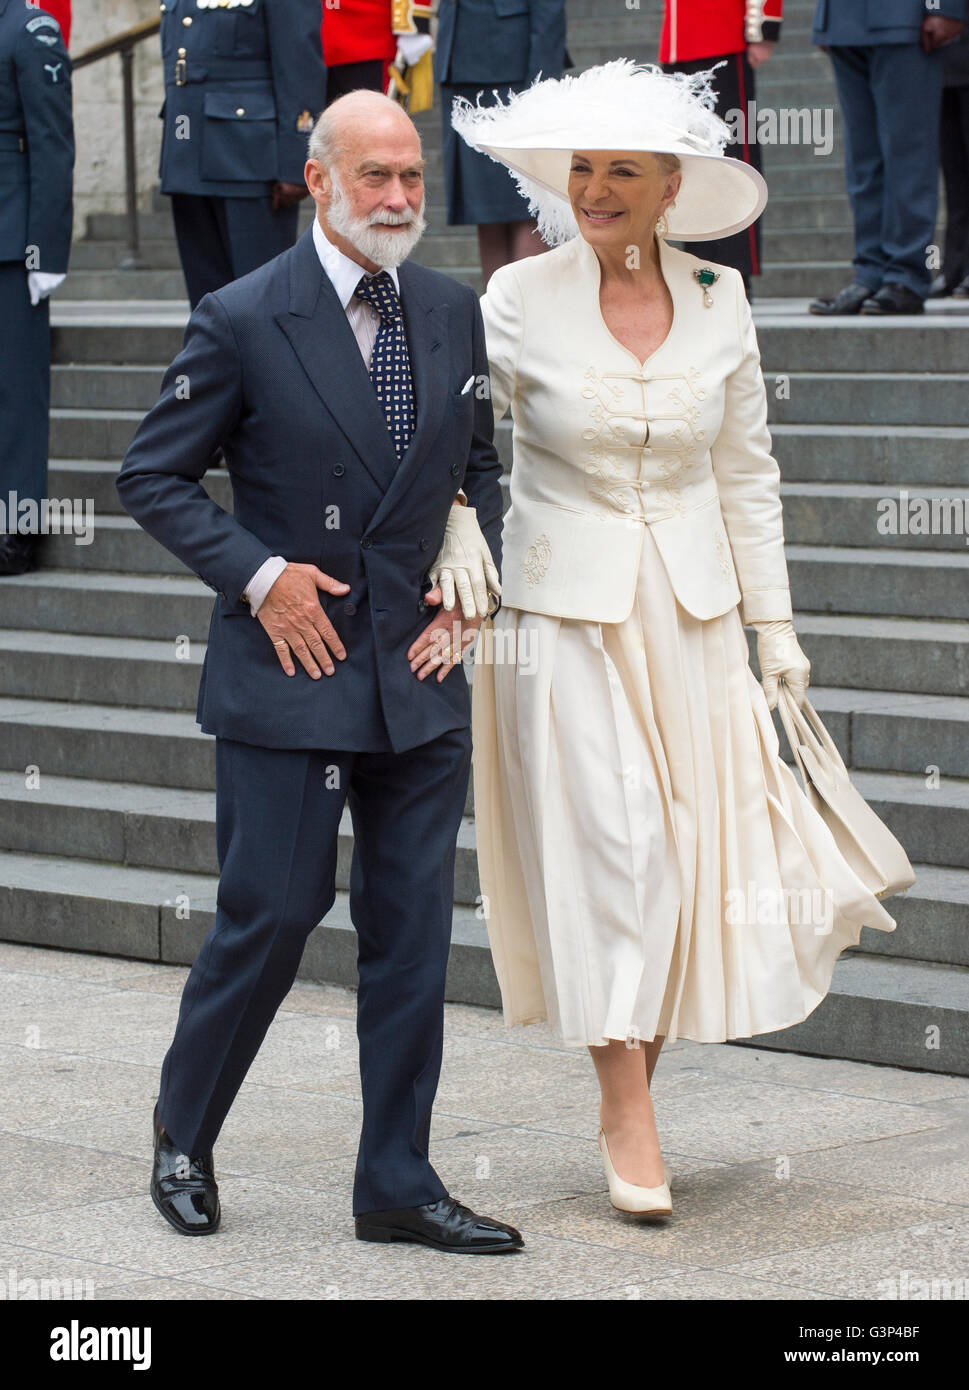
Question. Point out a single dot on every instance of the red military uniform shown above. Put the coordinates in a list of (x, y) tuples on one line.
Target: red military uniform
[(355, 31), (61, 10), (366, 31), (696, 34), (713, 28)]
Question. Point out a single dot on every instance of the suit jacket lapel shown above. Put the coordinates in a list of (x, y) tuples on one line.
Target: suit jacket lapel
[(426, 325), (317, 327)]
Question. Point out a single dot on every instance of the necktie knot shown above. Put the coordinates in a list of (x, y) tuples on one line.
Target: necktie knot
[(378, 290)]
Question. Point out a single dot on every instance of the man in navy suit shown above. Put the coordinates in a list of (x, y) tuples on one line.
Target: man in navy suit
[(344, 385), (888, 69)]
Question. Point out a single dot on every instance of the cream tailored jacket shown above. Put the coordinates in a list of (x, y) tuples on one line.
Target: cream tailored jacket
[(605, 444)]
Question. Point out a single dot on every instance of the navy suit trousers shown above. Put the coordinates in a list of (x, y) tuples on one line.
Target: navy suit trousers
[(890, 96), (277, 821), (222, 239), (24, 389)]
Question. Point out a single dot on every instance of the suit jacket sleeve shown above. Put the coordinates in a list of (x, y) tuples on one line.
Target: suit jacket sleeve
[(748, 481), (44, 78), (160, 481), (299, 78), (503, 311), (482, 479)]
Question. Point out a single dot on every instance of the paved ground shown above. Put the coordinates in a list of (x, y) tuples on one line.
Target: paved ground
[(795, 1177)]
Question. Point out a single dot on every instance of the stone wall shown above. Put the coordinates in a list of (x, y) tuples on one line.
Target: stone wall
[(98, 109)]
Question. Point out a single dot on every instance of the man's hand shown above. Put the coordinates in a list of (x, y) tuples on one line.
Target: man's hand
[(465, 564), (442, 644), (294, 618), (937, 30), (286, 195), (759, 52)]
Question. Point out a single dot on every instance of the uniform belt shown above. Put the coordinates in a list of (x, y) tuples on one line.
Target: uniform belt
[(13, 140), (234, 70)]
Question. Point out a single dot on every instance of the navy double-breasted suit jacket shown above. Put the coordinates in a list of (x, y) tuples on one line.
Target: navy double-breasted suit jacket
[(270, 370)]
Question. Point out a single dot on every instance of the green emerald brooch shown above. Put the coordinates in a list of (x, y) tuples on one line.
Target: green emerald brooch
[(705, 277)]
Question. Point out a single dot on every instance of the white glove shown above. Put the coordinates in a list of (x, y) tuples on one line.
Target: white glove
[(41, 283), (465, 563), (411, 49), (779, 654)]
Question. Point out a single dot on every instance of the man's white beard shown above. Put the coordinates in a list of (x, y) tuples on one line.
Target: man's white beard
[(382, 247)]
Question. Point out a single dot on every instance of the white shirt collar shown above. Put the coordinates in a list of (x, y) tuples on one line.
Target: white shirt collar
[(343, 272)]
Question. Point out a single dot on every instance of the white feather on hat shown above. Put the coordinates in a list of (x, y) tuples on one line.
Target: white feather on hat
[(619, 105)]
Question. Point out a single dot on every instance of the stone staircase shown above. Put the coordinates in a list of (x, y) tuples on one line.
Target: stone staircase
[(106, 807)]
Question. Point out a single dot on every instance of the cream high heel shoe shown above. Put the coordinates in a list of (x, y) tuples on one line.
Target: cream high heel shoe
[(626, 1196)]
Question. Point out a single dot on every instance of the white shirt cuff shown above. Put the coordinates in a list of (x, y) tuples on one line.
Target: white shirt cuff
[(262, 581)]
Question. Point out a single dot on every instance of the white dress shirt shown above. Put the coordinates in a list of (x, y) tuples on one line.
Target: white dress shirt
[(363, 318)]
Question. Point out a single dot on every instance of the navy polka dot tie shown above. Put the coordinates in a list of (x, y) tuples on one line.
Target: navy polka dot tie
[(390, 363)]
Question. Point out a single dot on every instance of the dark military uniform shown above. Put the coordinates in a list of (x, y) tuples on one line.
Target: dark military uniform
[(36, 216), (244, 85)]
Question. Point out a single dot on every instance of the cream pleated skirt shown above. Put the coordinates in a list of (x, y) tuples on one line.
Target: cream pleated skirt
[(649, 866)]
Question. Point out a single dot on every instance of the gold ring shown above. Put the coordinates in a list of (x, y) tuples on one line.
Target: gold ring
[(281, 642)]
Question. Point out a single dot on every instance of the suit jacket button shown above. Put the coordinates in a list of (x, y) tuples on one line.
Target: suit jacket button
[(422, 605), (422, 543), (350, 609), (338, 470), (455, 469), (366, 543)]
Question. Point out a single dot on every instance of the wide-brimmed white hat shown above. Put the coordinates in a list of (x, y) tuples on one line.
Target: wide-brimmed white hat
[(620, 105)]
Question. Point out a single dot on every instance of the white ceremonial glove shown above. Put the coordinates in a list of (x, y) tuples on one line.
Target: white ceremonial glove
[(411, 48), (41, 283), (465, 563), (779, 654)]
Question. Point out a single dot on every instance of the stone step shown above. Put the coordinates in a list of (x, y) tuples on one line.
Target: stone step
[(936, 341), (63, 814), (95, 479), (787, 278), (879, 731), (925, 655), (841, 579), (84, 905), (104, 386), (895, 455), (92, 433), (868, 514), (932, 919), (794, 398), (168, 828), (113, 670), (896, 1012), (880, 1008), (790, 341), (904, 398), (119, 545), (919, 656), (155, 606)]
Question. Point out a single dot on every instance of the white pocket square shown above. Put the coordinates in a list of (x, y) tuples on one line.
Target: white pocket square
[(467, 386)]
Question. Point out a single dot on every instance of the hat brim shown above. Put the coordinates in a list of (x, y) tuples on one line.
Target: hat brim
[(717, 197)]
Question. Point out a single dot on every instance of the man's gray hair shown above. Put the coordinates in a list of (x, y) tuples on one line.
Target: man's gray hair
[(325, 144)]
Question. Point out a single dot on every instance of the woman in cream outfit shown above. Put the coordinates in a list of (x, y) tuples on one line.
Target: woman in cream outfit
[(651, 868)]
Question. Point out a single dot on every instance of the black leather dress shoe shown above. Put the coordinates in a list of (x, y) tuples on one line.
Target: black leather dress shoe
[(184, 1189), (961, 290), (18, 554), (894, 299), (445, 1225), (846, 301), (941, 287)]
